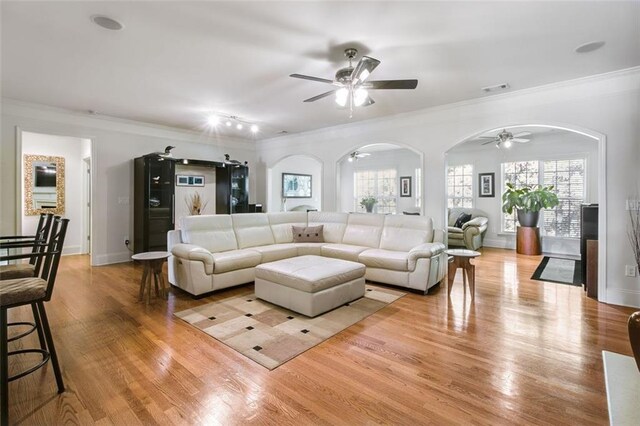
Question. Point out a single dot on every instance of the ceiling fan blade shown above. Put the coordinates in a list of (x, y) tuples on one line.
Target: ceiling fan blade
[(368, 102), (392, 84), (363, 69), (323, 95), (308, 77), (488, 142), (519, 140), (487, 137), (521, 134)]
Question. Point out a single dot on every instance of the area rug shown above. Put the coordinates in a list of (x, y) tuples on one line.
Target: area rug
[(271, 335), (558, 270)]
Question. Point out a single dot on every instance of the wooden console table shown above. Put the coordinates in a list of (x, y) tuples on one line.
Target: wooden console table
[(528, 240)]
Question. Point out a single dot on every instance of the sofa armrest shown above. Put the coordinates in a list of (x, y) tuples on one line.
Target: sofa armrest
[(477, 222), (424, 251), (438, 236), (197, 253)]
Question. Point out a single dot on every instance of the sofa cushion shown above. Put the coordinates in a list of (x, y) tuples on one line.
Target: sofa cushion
[(363, 229), (305, 249), (252, 230), (275, 252), (310, 273), (334, 224), (308, 234), (235, 259), (385, 259), (281, 223), (402, 233), (212, 232), (342, 251), (462, 219)]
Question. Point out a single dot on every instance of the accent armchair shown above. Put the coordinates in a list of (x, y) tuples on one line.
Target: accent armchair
[(471, 234)]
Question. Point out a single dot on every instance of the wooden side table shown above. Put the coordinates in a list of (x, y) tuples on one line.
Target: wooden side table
[(153, 262), (528, 240), (462, 259)]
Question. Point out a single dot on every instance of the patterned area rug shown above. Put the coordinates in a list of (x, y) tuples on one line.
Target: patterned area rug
[(558, 270), (271, 335)]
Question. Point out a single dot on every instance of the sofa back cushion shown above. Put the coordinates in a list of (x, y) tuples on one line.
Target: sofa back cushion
[(252, 229), (454, 214), (402, 233), (282, 222), (212, 232), (334, 224), (363, 229)]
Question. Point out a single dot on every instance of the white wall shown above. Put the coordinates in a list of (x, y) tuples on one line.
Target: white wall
[(403, 160), (301, 164), (114, 145), (545, 146), (604, 105), (70, 149), (207, 192)]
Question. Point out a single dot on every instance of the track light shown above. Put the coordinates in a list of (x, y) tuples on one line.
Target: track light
[(215, 119)]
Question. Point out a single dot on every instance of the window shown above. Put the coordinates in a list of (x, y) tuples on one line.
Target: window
[(381, 184), (568, 179), (460, 186)]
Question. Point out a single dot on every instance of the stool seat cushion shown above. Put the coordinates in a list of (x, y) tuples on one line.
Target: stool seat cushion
[(15, 271), (310, 273), (22, 291)]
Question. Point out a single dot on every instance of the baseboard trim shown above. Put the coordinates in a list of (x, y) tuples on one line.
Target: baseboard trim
[(501, 244), (623, 297), (110, 258), (70, 250)]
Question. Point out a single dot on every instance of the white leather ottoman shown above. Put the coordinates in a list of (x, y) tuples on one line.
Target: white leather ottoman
[(310, 285)]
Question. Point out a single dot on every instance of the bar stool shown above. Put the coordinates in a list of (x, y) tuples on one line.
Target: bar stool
[(31, 291)]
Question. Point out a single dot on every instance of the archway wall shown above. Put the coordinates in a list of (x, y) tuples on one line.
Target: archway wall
[(606, 105), (299, 164)]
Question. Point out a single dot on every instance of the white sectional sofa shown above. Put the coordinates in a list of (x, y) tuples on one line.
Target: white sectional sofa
[(218, 251)]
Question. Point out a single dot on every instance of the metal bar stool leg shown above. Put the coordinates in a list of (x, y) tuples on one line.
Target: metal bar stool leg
[(38, 323), (52, 348), (4, 369)]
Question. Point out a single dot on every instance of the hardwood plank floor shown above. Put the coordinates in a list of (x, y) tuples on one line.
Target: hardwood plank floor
[(523, 352)]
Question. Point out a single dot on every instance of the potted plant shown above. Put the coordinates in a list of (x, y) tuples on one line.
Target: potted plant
[(368, 202), (528, 201)]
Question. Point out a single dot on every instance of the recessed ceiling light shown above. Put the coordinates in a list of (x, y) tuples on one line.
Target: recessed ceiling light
[(106, 22), (497, 87), (254, 128), (589, 47), (239, 126)]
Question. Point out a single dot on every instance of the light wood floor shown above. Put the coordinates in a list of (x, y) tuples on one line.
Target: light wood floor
[(525, 352)]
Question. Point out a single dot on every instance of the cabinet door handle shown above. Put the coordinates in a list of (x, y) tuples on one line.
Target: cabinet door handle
[(173, 209)]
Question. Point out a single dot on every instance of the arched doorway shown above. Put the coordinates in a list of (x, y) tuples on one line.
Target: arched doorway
[(387, 174), (573, 159)]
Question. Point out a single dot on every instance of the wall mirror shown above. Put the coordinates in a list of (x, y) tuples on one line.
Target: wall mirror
[(43, 184)]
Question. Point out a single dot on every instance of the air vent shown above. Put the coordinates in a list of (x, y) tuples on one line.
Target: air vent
[(282, 132), (107, 23), (496, 88)]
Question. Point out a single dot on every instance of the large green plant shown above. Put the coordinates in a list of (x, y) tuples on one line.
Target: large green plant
[(528, 199)]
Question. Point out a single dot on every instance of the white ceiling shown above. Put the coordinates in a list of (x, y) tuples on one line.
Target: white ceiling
[(175, 60)]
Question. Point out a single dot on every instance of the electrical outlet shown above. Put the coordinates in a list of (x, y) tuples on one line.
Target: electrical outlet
[(126, 241), (630, 270)]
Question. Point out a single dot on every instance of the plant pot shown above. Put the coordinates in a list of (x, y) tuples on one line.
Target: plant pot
[(529, 219), (369, 209)]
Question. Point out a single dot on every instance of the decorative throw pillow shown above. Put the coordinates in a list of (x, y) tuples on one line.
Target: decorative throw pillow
[(462, 219), (309, 234)]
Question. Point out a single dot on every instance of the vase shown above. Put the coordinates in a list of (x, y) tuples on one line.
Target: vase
[(528, 219), (369, 208)]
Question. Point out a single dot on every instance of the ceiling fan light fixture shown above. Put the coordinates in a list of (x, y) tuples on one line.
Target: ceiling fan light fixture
[(254, 128), (507, 144), (239, 126), (228, 123), (341, 96), (360, 96)]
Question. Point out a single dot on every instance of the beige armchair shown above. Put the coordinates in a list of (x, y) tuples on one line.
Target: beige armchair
[(472, 233)]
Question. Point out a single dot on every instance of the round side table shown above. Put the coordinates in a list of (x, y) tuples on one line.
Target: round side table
[(461, 258), (153, 262)]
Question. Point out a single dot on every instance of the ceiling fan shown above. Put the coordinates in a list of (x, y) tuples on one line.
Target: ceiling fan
[(351, 82), (355, 155), (506, 138)]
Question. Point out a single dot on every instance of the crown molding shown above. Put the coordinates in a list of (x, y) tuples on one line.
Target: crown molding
[(105, 122)]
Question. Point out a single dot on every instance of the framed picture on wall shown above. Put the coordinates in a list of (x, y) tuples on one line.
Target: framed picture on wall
[(487, 185), (405, 186), (295, 185), (189, 180)]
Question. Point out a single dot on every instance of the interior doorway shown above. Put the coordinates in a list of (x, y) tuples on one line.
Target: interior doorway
[(54, 175)]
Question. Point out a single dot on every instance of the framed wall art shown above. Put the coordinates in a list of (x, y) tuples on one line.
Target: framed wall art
[(296, 185), (405, 186), (487, 185)]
